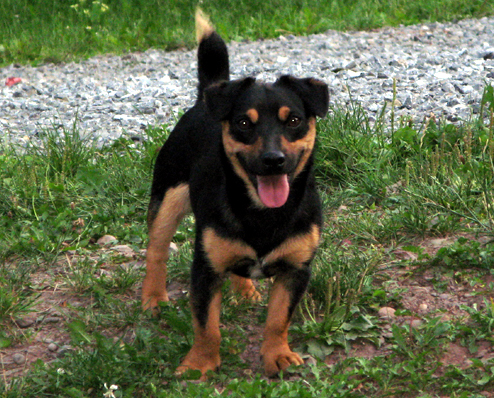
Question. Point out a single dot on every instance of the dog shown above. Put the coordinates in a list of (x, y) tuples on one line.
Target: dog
[(241, 159)]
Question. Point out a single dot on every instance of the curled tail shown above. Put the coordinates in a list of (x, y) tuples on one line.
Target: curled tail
[(212, 55)]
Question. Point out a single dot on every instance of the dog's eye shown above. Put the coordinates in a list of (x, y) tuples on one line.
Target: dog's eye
[(244, 124), (294, 121)]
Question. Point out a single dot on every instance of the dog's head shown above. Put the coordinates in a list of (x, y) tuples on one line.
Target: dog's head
[(269, 131)]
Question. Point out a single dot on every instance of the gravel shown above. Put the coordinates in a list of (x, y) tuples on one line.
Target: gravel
[(440, 69)]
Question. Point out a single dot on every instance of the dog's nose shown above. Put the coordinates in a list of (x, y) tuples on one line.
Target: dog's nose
[(273, 159)]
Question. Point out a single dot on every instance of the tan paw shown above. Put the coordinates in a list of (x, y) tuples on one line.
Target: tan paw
[(245, 287), (278, 359), (197, 361), (151, 302)]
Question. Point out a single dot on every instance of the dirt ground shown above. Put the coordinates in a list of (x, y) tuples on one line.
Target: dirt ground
[(422, 291)]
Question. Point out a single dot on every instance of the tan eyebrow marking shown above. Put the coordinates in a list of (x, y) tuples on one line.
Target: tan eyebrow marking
[(253, 115), (283, 113)]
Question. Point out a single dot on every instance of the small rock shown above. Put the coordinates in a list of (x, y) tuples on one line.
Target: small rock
[(416, 323), (386, 313), (51, 319), (124, 250), (423, 307), (173, 248), (19, 359), (310, 360), (408, 103), (52, 347), (351, 65), (488, 55), (64, 350), (24, 323), (452, 102), (106, 240)]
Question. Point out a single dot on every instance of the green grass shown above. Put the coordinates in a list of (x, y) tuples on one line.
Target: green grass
[(386, 186), (383, 186), (58, 31)]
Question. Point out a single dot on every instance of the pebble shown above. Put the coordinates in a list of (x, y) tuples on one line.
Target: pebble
[(416, 323), (386, 313), (64, 350), (437, 68), (106, 240), (51, 319), (173, 248), (19, 359), (24, 323), (124, 250), (52, 347)]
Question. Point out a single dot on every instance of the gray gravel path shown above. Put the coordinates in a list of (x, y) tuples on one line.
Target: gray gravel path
[(439, 69)]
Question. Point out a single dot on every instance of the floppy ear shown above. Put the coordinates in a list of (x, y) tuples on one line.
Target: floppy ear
[(314, 93), (220, 97)]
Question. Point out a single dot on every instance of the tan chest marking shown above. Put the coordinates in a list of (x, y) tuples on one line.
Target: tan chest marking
[(224, 253), (296, 250)]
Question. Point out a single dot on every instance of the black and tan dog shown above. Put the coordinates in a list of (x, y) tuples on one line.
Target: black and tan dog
[(242, 160)]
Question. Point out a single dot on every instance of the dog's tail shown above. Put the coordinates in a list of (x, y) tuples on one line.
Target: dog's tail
[(212, 55)]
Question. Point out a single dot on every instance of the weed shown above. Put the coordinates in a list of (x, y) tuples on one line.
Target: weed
[(466, 253)]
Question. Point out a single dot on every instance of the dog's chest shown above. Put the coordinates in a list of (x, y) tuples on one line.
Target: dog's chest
[(236, 256)]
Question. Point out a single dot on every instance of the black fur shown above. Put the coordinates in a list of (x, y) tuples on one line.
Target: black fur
[(224, 182)]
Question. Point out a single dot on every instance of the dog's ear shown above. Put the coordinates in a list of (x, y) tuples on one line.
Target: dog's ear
[(220, 97), (314, 93)]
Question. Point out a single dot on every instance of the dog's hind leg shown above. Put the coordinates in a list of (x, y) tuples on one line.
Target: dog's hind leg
[(162, 223)]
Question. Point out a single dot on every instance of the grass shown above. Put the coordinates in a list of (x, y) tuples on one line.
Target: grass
[(389, 189), (381, 191), (59, 31)]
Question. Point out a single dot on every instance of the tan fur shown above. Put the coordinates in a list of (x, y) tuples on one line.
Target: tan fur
[(296, 250), (224, 252), (253, 115), (275, 351), (303, 146), (283, 113), (175, 205), (205, 353), (203, 26), (233, 147), (245, 287)]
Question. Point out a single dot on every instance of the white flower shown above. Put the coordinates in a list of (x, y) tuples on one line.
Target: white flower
[(109, 391)]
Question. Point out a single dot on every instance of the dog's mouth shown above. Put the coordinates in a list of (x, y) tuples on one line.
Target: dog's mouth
[(273, 190)]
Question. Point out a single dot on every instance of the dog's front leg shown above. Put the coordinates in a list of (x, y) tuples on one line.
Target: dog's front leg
[(285, 294), (162, 225), (205, 299)]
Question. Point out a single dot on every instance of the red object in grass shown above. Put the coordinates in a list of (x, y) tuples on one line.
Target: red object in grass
[(12, 80)]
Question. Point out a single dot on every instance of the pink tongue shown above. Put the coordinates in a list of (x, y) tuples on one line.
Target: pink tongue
[(273, 190)]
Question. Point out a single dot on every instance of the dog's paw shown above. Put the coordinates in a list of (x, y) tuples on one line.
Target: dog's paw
[(245, 288), (279, 358), (151, 302), (198, 361)]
